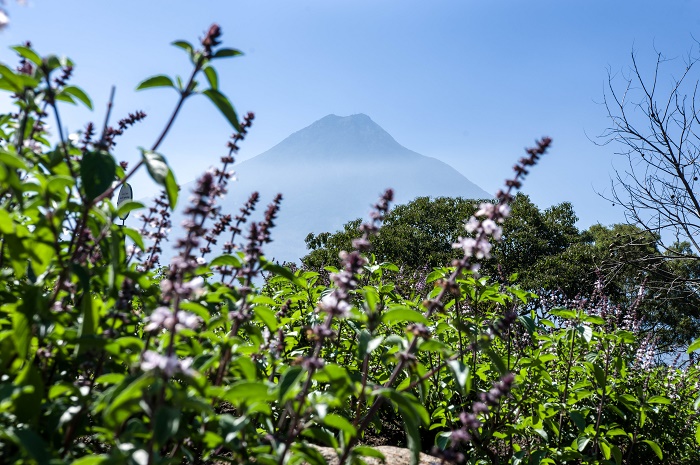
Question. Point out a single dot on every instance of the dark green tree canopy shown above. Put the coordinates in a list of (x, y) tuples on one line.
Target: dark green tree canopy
[(547, 252)]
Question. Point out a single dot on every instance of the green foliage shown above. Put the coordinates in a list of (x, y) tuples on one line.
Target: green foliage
[(104, 360), (547, 253)]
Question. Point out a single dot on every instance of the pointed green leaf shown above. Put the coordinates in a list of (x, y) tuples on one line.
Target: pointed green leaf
[(135, 236), (659, 400), (289, 378), (460, 371), (694, 346), (171, 188), (212, 77), (184, 45), (97, 172), (79, 94), (224, 106), (166, 424), (367, 451), (227, 52), (336, 421), (32, 444), (127, 207), (28, 53), (402, 314), (655, 447), (226, 260), (156, 81), (11, 78), (156, 165)]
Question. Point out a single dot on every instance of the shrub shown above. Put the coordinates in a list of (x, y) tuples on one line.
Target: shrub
[(106, 358)]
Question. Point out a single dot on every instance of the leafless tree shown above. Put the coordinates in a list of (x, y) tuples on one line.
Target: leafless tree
[(654, 121)]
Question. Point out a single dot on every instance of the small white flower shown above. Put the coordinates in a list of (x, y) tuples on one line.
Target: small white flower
[(166, 286), (161, 318), (485, 209), (483, 249), (331, 303), (491, 229), (169, 365), (472, 224), (4, 20), (504, 211), (194, 287), (187, 320)]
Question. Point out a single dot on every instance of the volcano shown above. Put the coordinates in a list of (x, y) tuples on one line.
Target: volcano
[(331, 172)]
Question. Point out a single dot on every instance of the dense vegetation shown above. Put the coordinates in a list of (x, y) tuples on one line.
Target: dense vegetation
[(547, 253), (107, 359)]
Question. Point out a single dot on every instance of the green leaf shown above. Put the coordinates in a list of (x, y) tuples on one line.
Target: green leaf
[(97, 172), (367, 344), (222, 103), (367, 451), (655, 447), (79, 94), (156, 81), (27, 53), (617, 454), (156, 165), (226, 260), (212, 77), (694, 346), (246, 392), (135, 236), (166, 424), (528, 323), (586, 332), (340, 423), (171, 188), (7, 226), (403, 314), (22, 330), (284, 272), (413, 415), (91, 316), (32, 444), (266, 316), (91, 460), (461, 373), (184, 45), (289, 378), (27, 405), (130, 394), (659, 400), (127, 207), (11, 78), (162, 174), (227, 52), (497, 361)]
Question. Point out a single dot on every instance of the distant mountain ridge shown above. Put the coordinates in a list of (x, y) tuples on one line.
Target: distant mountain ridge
[(331, 172), (333, 137)]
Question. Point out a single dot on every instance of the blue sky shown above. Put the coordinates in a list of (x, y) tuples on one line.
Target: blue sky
[(468, 82)]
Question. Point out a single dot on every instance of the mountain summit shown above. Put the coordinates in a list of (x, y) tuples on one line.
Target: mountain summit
[(333, 137), (331, 172)]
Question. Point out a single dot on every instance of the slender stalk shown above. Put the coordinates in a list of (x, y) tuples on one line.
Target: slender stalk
[(184, 94), (565, 394)]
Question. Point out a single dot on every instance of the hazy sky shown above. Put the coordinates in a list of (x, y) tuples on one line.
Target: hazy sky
[(468, 82)]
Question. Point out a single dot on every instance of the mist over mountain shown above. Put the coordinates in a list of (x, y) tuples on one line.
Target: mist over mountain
[(332, 172)]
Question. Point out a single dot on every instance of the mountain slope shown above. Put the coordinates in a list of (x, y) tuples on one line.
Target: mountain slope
[(332, 172)]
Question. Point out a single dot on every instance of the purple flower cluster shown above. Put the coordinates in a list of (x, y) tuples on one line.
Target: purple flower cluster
[(487, 400), (336, 302)]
